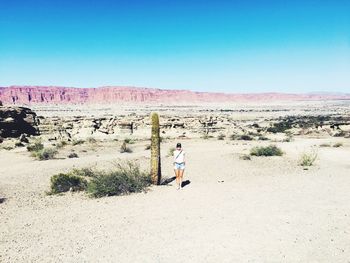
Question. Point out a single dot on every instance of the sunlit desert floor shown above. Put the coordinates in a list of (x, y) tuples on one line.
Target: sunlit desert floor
[(267, 209)]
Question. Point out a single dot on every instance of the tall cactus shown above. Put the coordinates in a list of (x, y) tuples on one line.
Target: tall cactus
[(155, 150)]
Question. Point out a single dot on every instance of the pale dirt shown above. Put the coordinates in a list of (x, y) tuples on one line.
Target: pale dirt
[(265, 210)]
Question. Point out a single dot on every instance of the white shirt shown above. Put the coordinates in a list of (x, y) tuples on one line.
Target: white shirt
[(180, 156)]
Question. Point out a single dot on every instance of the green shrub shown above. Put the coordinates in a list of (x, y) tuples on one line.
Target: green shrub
[(221, 137), (129, 141), (270, 150), (73, 155), (338, 144), (245, 157), (262, 138), (61, 144), (77, 142), (148, 147), (91, 140), (19, 144), (45, 154), (125, 179), (125, 149), (280, 127), (307, 159), (325, 145), (171, 151), (67, 182), (243, 137), (207, 136), (84, 172), (35, 147)]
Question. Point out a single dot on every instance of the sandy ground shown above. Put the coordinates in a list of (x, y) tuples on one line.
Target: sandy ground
[(265, 210)]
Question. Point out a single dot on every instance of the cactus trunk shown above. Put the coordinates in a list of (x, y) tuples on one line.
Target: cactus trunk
[(155, 150)]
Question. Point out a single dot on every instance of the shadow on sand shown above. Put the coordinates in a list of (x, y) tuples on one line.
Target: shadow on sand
[(168, 180), (184, 183)]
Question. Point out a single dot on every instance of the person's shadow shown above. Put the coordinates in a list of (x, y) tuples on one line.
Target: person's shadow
[(184, 183), (169, 180)]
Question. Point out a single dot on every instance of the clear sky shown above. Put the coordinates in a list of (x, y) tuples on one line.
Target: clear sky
[(229, 46)]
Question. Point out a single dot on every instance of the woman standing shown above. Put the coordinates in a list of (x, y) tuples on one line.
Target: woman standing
[(179, 164)]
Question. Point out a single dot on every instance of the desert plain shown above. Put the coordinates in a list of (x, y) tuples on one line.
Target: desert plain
[(234, 206)]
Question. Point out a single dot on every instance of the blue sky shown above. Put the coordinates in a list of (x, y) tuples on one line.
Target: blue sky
[(226, 46)]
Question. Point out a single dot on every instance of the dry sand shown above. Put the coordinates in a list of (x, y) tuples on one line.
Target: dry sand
[(265, 210)]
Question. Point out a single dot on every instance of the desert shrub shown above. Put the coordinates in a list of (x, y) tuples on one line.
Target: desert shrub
[(243, 137), (171, 151), (262, 138), (67, 182), (61, 144), (45, 154), (221, 137), (91, 140), (325, 145), (340, 134), (125, 149), (19, 144), (148, 147), (127, 178), (338, 144), (280, 127), (73, 155), (84, 172), (245, 157), (271, 150), (35, 147), (307, 159), (8, 148), (77, 142), (207, 136), (129, 141)]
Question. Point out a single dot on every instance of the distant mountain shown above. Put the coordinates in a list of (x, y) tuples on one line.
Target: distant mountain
[(67, 95)]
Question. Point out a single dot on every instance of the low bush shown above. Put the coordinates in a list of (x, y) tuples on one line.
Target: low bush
[(325, 145), (338, 144), (77, 142), (61, 144), (245, 157), (221, 137), (67, 182), (84, 172), (91, 140), (270, 150), (125, 179), (262, 138), (207, 136), (35, 146), (129, 141), (73, 155), (19, 144), (243, 137), (148, 147), (308, 159), (45, 154), (171, 151), (125, 149)]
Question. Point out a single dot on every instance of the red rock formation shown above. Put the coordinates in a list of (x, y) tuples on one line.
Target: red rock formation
[(61, 95)]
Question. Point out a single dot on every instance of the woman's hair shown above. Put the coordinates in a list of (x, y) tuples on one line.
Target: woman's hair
[(178, 145)]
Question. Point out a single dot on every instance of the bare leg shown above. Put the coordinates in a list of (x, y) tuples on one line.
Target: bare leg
[(177, 174), (181, 174)]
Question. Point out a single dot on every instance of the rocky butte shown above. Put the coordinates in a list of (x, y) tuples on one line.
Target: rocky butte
[(26, 95)]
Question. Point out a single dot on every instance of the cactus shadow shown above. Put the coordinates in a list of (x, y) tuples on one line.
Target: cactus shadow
[(168, 180)]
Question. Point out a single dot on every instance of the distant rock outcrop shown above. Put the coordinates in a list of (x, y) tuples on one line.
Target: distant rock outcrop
[(15, 121), (25, 95)]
